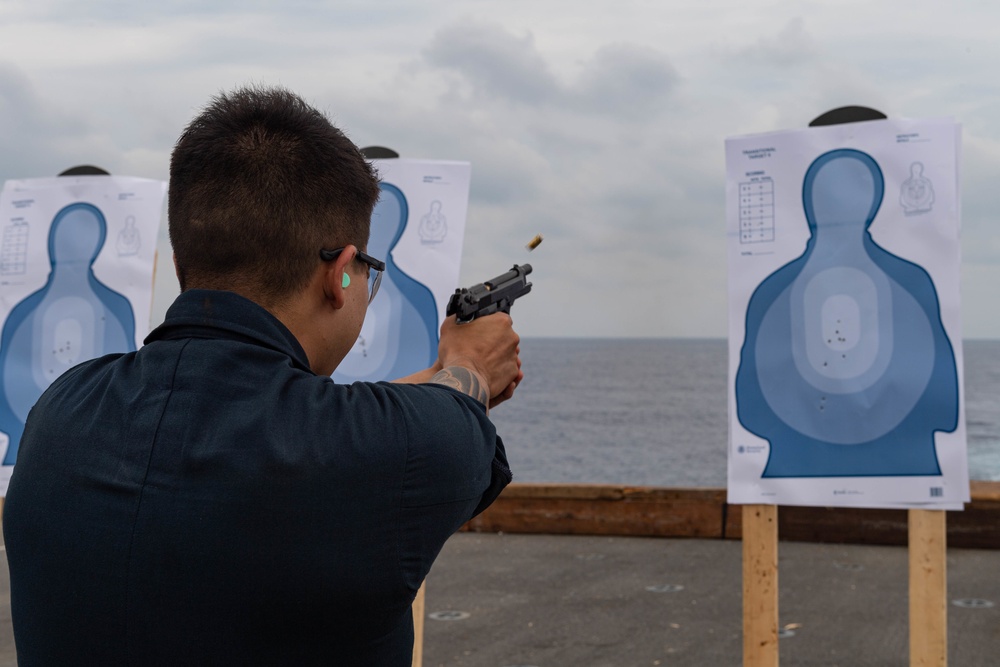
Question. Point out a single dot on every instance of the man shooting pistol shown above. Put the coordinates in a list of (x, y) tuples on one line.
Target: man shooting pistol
[(131, 528), (497, 294)]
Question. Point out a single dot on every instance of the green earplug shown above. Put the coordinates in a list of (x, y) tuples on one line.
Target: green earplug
[(347, 280)]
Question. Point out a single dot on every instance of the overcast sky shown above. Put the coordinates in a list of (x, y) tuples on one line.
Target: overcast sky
[(598, 124)]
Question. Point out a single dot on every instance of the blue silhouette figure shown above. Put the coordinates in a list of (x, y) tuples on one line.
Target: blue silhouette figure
[(400, 333), (73, 318), (846, 368)]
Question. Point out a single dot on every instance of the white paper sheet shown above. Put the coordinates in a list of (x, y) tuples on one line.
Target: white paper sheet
[(845, 373)]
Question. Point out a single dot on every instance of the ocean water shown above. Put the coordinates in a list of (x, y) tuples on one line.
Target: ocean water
[(654, 412)]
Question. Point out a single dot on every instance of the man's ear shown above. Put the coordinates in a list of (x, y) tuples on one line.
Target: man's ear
[(335, 277)]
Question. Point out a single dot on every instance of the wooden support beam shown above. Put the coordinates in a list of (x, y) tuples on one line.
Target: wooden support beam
[(928, 588), (594, 509), (760, 586)]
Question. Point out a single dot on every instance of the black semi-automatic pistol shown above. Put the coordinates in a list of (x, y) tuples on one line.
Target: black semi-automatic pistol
[(497, 294)]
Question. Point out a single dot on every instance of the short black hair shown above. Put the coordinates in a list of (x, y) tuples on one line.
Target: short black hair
[(259, 182)]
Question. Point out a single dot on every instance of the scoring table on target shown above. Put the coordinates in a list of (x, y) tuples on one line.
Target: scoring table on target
[(757, 211)]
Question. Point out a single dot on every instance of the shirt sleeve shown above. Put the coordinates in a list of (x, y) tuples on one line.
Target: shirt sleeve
[(453, 453), (456, 466)]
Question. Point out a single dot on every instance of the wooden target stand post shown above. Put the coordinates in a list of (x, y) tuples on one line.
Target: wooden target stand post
[(927, 546), (418, 608)]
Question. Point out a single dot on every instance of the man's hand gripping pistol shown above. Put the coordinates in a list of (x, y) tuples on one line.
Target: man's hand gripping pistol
[(497, 294)]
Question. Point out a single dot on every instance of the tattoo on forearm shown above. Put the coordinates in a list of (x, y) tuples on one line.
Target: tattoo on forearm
[(464, 381)]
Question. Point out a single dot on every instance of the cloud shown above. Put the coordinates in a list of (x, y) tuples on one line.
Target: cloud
[(625, 81), (41, 139), (620, 80), (493, 61), (595, 159), (792, 46)]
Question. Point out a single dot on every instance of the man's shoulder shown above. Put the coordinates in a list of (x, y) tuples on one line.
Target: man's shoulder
[(82, 376), (93, 366)]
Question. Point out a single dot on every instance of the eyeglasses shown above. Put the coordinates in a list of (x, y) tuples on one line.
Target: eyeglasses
[(374, 278)]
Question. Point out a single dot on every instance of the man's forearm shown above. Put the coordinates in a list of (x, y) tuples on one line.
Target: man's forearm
[(420, 377), (457, 377), (464, 380)]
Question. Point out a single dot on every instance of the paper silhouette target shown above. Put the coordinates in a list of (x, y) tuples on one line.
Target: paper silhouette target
[(846, 369), (845, 355)]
